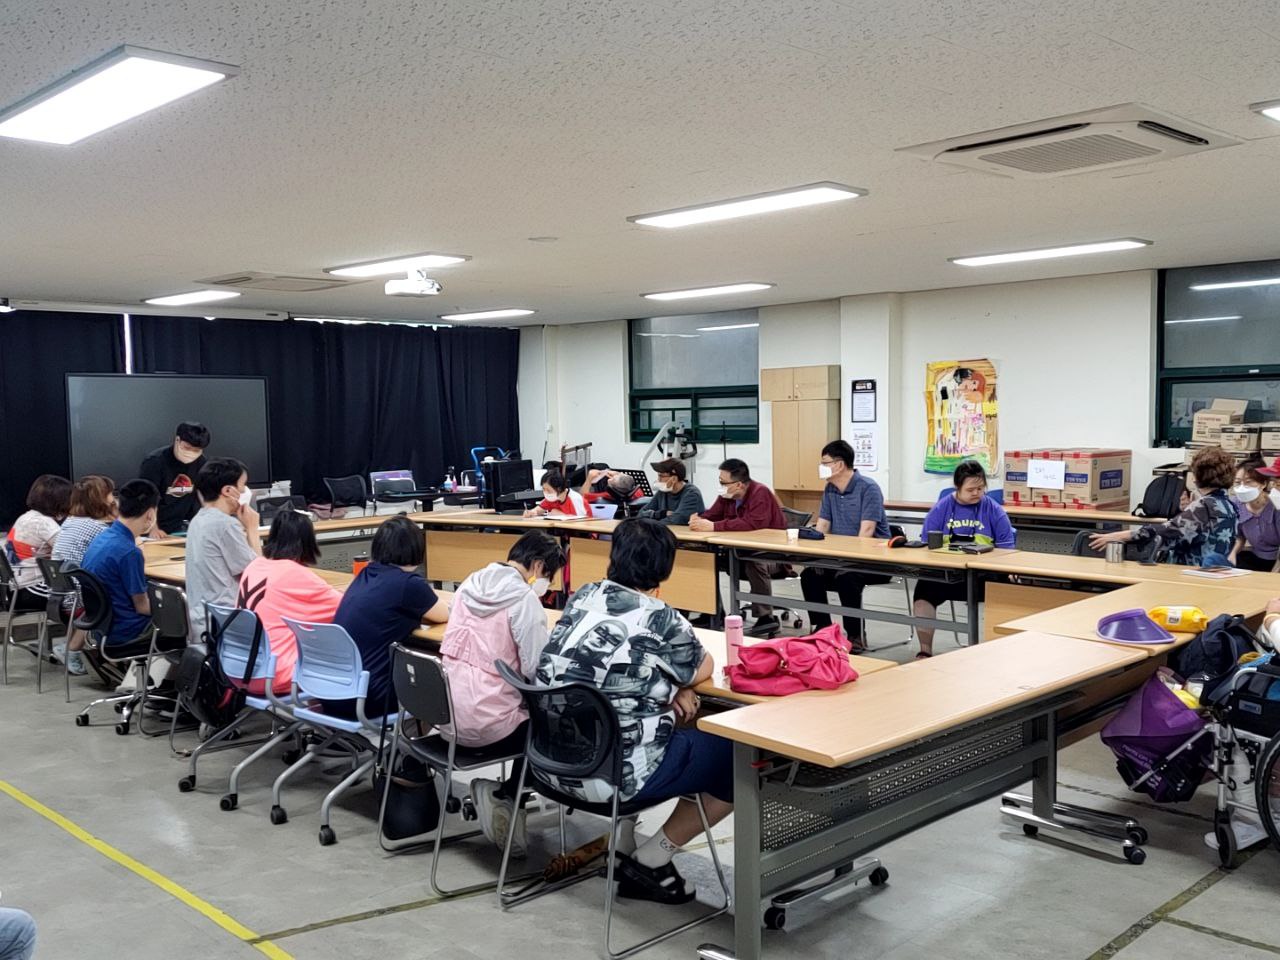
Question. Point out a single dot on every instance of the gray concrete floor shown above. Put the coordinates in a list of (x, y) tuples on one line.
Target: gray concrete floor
[(967, 887)]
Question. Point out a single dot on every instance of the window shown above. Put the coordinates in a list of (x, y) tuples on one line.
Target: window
[(701, 370), (1220, 340)]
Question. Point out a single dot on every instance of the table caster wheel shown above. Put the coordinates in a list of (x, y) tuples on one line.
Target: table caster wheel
[(327, 836), (122, 728), (1226, 838), (186, 784), (290, 757), (231, 801), (118, 707), (469, 809), (81, 720), (879, 877), (1030, 829), (1139, 836), (1135, 855), (278, 816), (775, 918), (452, 804)]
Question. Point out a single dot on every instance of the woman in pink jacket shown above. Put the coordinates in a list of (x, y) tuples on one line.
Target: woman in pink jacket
[(497, 614)]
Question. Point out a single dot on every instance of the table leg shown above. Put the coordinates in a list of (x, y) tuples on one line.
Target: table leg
[(971, 598), (734, 573), (747, 812), (1044, 780)]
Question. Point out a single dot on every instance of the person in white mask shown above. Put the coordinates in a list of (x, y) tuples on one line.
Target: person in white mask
[(173, 470), (222, 539), (497, 614), (675, 500), (1258, 535)]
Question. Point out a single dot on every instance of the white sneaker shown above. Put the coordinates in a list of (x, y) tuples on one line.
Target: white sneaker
[(130, 682), (494, 814), (75, 664), (59, 652), (1247, 831)]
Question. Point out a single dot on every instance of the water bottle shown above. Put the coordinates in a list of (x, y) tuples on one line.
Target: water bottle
[(449, 481), (733, 638)]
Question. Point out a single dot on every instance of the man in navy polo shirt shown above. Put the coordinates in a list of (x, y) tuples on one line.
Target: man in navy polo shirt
[(114, 558), (852, 506)]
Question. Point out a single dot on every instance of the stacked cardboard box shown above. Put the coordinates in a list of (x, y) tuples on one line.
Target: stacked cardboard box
[(1093, 479), (1016, 491), (1240, 437), (1207, 424)]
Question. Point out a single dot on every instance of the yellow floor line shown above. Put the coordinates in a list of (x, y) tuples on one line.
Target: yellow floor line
[(203, 907)]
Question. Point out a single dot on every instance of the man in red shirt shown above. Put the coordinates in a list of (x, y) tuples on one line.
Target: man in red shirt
[(744, 504)]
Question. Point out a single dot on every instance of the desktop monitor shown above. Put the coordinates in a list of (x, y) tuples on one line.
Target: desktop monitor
[(505, 477)]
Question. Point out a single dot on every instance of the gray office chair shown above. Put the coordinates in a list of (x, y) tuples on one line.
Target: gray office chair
[(9, 591)]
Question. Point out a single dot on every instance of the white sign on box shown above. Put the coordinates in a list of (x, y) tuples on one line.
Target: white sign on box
[(1047, 474)]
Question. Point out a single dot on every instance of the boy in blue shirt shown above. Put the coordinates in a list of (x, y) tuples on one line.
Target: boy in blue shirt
[(966, 515), (114, 558)]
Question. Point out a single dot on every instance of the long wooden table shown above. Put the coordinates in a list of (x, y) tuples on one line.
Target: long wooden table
[(1063, 517)]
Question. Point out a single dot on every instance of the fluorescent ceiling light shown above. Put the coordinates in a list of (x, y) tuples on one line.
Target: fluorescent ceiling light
[(1235, 284), (673, 336), (1205, 319), (195, 296), (1048, 253), (488, 314), (729, 326), (1268, 108), (788, 199), (382, 268), (707, 291), (125, 83)]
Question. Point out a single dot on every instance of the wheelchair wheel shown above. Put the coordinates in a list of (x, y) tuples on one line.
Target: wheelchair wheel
[(1267, 787)]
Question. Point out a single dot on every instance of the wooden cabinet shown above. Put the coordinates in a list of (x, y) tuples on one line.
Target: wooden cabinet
[(786, 463), (805, 404), (800, 383), (777, 383)]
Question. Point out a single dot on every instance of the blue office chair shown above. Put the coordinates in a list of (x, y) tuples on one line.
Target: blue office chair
[(574, 733), (329, 668), (996, 495)]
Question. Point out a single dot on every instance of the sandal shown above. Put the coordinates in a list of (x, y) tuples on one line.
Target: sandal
[(924, 656), (660, 884)]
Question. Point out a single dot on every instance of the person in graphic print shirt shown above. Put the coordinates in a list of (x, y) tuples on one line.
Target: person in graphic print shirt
[(173, 470)]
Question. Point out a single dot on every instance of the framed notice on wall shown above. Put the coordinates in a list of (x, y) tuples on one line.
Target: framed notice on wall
[(863, 402)]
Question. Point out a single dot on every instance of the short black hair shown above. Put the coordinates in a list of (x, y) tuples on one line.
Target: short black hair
[(137, 497), (839, 450), (967, 470), (292, 537), (642, 554), (556, 481), (196, 434), (218, 473), (672, 466), (534, 546), (737, 470), (399, 542), (50, 494)]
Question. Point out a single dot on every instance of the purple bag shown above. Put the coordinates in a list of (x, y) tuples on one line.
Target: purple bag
[(1144, 736)]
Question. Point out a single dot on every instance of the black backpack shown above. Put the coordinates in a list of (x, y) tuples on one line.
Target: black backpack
[(1215, 652), (1163, 496), (203, 686)]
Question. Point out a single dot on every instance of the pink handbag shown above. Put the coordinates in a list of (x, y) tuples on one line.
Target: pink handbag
[(775, 668)]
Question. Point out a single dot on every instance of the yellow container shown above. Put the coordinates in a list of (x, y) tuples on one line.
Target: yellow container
[(1180, 619)]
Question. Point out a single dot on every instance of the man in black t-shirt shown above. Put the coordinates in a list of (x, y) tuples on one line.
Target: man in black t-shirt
[(173, 470)]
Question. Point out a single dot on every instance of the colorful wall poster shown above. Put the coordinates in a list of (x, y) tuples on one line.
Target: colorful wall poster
[(961, 408)]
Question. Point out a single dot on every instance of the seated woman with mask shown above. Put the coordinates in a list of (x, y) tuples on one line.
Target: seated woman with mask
[(559, 500), (1258, 539)]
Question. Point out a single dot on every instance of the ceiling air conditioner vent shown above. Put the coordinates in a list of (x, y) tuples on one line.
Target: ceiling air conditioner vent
[(280, 283), (1116, 136)]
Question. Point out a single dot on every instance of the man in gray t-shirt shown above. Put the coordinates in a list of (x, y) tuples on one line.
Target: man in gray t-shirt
[(222, 538)]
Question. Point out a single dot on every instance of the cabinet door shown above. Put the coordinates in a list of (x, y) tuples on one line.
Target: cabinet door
[(817, 383), (776, 383), (786, 466), (813, 432)]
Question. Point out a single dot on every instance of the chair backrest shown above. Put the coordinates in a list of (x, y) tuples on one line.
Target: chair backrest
[(393, 485), (95, 604), (347, 491), (8, 579), (421, 685), (1080, 545), (168, 609), (945, 491), (329, 664), (796, 519), (234, 629), (1140, 552), (268, 507), (997, 496), (573, 729)]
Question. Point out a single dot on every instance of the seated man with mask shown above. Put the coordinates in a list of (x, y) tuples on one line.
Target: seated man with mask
[(676, 501)]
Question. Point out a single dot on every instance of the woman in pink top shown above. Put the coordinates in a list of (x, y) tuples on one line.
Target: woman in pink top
[(497, 615), (278, 585)]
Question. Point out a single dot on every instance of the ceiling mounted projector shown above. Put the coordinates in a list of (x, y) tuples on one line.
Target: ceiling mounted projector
[(415, 283)]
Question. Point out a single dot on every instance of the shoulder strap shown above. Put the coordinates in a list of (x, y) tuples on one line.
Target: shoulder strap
[(255, 645)]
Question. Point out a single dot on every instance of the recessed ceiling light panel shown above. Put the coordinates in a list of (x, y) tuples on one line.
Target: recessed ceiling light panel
[(1051, 253), (384, 268), (721, 291), (771, 202), (1237, 284), (1268, 108), (195, 296), (502, 314)]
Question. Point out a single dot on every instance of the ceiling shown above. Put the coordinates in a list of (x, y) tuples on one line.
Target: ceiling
[(362, 130)]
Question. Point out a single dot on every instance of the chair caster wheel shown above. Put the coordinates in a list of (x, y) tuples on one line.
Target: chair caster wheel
[(879, 877), (1226, 838), (81, 720), (1139, 836), (1135, 855), (327, 836), (290, 757), (186, 784), (232, 800), (278, 816), (122, 728), (452, 805), (775, 918), (1030, 829), (118, 707), (469, 810)]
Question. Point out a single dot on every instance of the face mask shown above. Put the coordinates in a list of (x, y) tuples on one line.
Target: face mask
[(724, 491), (824, 471), (1246, 494), (540, 586), (185, 457), (664, 487), (246, 497)]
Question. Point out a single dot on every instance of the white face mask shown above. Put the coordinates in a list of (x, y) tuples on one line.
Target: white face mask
[(824, 471), (246, 497), (540, 586), (184, 456), (723, 491), (664, 487), (1246, 494)]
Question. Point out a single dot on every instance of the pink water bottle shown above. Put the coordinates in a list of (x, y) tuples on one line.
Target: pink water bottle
[(733, 636)]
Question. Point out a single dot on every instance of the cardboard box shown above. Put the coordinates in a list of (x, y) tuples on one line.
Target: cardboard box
[(1093, 476), (1014, 478), (1269, 435), (1113, 506), (1207, 424), (1039, 495), (1046, 502), (1240, 437)]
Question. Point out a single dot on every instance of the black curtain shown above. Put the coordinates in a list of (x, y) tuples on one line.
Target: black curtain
[(37, 350), (351, 398)]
